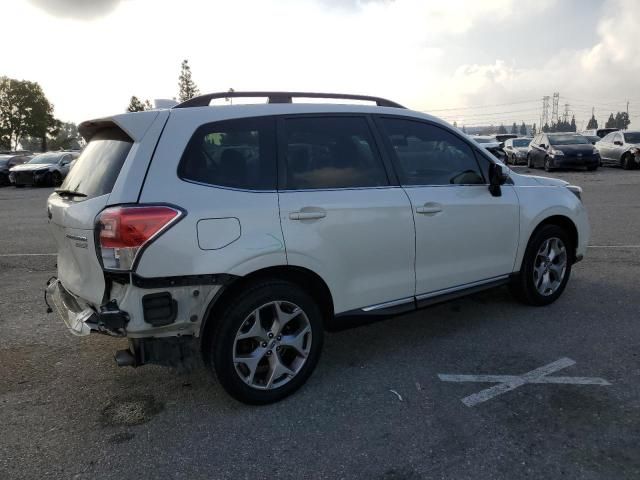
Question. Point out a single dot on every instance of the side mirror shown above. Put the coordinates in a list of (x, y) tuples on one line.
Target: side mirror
[(617, 142), (498, 175), (543, 146)]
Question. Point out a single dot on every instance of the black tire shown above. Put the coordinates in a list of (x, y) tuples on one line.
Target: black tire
[(19, 185), (547, 164), (221, 345), (529, 162), (522, 286), (592, 168), (627, 162), (4, 180), (55, 179)]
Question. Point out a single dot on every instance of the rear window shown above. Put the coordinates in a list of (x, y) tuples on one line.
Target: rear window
[(96, 170), (233, 153)]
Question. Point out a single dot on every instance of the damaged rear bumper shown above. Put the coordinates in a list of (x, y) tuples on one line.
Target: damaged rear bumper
[(81, 319)]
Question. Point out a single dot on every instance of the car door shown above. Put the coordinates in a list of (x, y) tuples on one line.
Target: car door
[(464, 235), (604, 148), (535, 151), (341, 216), (64, 165), (617, 148)]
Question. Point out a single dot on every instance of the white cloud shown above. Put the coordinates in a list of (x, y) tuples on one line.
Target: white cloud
[(91, 61)]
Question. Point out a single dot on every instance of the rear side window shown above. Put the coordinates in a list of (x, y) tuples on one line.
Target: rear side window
[(232, 153), (430, 155), (96, 170), (331, 152)]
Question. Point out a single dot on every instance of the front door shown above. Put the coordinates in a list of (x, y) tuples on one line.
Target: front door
[(464, 234)]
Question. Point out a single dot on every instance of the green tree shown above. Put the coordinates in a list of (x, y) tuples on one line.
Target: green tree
[(24, 111), (455, 124), (534, 130), (622, 120), (573, 127), (186, 86), (66, 138), (523, 129), (545, 128), (611, 122), (464, 129), (514, 128), (135, 105), (501, 129), (593, 123)]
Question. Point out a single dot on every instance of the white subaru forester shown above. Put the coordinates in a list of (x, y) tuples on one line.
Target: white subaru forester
[(243, 231)]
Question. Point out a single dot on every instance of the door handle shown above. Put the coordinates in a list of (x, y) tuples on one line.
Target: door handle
[(304, 214), (429, 208)]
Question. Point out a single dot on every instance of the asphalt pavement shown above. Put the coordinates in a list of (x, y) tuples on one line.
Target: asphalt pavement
[(377, 406)]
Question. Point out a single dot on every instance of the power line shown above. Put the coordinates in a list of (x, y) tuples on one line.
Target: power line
[(482, 106)]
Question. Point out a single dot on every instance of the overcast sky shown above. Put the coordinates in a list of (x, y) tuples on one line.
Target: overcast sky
[(496, 58)]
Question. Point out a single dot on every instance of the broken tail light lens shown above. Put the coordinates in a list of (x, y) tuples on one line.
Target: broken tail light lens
[(122, 232)]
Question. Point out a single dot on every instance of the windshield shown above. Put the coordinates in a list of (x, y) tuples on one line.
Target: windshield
[(633, 137), (568, 140), (521, 142), (45, 159)]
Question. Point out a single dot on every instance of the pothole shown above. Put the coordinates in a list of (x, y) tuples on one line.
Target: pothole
[(131, 410)]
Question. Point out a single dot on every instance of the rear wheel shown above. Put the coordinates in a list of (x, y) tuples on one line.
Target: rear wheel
[(592, 168), (267, 342), (547, 164), (529, 162), (546, 267)]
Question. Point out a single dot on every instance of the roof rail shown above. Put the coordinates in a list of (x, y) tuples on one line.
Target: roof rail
[(282, 97)]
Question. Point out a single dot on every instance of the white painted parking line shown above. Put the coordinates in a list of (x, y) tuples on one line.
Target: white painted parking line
[(511, 382), (28, 254), (614, 246)]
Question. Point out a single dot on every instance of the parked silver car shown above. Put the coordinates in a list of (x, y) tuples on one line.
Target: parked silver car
[(45, 169), (516, 150), (621, 148)]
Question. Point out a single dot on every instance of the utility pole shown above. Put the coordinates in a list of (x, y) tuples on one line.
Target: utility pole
[(556, 101), (544, 118)]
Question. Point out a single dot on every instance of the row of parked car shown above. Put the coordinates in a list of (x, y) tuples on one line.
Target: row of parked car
[(20, 168), (590, 149)]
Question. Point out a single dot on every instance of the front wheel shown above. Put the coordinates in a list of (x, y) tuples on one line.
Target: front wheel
[(627, 162), (546, 267), (267, 342), (530, 162), (56, 179), (547, 164)]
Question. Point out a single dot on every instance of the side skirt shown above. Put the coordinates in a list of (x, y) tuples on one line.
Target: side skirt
[(382, 311)]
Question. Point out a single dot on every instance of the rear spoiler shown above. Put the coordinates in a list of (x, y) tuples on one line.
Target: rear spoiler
[(135, 125)]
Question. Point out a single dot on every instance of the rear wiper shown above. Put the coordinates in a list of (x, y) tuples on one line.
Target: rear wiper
[(69, 193)]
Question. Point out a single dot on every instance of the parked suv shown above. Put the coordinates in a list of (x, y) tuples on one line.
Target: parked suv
[(243, 231), (562, 150)]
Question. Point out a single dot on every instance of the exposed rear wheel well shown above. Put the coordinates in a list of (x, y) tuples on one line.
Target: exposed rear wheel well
[(309, 281), (567, 225)]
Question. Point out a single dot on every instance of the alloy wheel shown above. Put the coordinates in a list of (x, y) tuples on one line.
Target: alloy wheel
[(272, 345), (550, 266)]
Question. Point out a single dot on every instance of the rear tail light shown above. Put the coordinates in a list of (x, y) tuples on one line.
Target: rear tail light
[(122, 232)]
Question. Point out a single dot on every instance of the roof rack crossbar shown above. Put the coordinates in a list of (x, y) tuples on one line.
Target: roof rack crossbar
[(282, 97)]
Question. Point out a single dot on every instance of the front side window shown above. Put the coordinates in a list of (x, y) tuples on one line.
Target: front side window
[(233, 153), (430, 155), (331, 152), (632, 137)]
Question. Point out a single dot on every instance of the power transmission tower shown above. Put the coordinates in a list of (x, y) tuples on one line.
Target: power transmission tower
[(565, 115), (544, 118), (556, 101)]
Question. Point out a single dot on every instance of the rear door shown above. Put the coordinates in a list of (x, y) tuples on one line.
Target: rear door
[(464, 234), (605, 147), (341, 216), (85, 192)]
